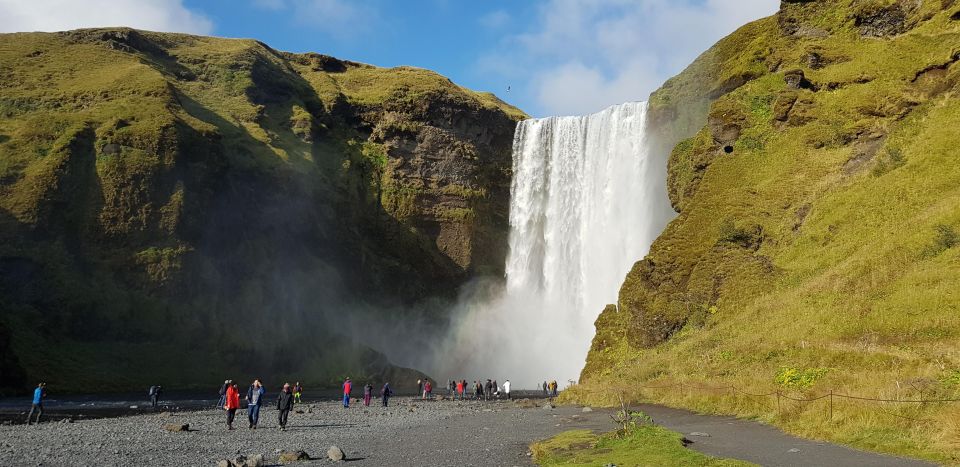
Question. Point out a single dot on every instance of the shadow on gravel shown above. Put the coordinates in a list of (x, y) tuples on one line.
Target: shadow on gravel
[(294, 428)]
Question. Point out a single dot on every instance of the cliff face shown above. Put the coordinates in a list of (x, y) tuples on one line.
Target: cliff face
[(813, 168), (167, 198)]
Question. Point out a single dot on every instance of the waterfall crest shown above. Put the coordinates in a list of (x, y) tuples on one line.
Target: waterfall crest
[(586, 203)]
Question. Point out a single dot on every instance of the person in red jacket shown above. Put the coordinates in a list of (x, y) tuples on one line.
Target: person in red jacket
[(232, 403), (347, 387), (459, 392), (427, 390)]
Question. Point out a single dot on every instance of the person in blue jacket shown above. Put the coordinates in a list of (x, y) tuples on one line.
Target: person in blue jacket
[(38, 394), (254, 402)]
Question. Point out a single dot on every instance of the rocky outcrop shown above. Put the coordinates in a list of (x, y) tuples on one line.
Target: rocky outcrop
[(809, 113), (173, 188)]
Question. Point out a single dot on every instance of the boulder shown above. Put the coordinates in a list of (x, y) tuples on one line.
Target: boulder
[(796, 79), (587, 410), (294, 456), (549, 405), (255, 460), (335, 454), (177, 427)]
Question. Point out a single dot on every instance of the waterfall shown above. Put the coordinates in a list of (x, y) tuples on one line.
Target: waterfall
[(587, 200)]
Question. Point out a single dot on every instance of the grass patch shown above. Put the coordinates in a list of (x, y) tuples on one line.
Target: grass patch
[(641, 446)]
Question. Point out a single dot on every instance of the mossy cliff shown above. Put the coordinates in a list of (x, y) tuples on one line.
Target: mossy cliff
[(177, 209), (814, 171)]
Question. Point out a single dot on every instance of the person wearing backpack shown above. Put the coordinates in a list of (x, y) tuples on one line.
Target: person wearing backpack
[(231, 403)]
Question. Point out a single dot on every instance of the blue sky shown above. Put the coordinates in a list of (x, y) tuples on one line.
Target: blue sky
[(557, 56)]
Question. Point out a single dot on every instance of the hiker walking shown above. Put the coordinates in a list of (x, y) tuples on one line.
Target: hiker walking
[(232, 403), (223, 393), (553, 387), (545, 392), (459, 392), (347, 387), (488, 390), (367, 394), (478, 390), (38, 394), (385, 393), (254, 402), (506, 388), (496, 389), (154, 394), (297, 391), (419, 387), (284, 405)]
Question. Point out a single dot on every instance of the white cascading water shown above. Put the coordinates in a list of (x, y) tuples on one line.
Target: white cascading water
[(587, 201)]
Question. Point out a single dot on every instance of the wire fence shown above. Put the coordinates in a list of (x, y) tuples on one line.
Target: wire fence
[(780, 395)]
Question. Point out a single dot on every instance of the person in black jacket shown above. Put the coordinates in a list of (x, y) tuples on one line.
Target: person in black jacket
[(385, 393), (223, 394), (284, 405), (154, 394)]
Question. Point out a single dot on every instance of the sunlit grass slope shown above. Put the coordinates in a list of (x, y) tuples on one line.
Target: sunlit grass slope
[(817, 182)]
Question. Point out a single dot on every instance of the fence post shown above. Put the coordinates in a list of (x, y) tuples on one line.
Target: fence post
[(831, 404)]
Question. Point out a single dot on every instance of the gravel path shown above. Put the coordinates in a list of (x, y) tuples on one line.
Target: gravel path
[(763, 444), (407, 433), (410, 432)]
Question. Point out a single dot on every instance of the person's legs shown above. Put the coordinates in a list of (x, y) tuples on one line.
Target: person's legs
[(223, 400), (153, 401), (33, 408), (254, 415), (231, 413), (346, 400)]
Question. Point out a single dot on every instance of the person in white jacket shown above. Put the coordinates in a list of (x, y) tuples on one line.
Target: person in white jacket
[(506, 388)]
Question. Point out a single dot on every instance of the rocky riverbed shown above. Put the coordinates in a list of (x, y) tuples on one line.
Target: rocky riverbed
[(409, 432)]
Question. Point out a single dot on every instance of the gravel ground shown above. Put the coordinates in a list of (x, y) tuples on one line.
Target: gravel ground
[(409, 432)]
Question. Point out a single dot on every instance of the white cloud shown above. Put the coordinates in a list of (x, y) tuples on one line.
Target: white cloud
[(583, 55), (495, 19), (61, 15), (341, 19)]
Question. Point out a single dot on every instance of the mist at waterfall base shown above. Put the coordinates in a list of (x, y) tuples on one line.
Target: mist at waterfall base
[(587, 200)]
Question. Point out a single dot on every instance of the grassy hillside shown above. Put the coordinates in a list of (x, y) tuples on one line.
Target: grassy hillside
[(816, 248), (177, 209)]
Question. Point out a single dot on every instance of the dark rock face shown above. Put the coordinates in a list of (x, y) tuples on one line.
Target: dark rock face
[(882, 22)]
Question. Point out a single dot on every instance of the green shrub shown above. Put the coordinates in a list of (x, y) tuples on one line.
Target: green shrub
[(796, 378), (945, 237)]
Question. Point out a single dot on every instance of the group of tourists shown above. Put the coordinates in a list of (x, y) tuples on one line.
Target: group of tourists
[(256, 394), (385, 393), (291, 394), (460, 389)]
